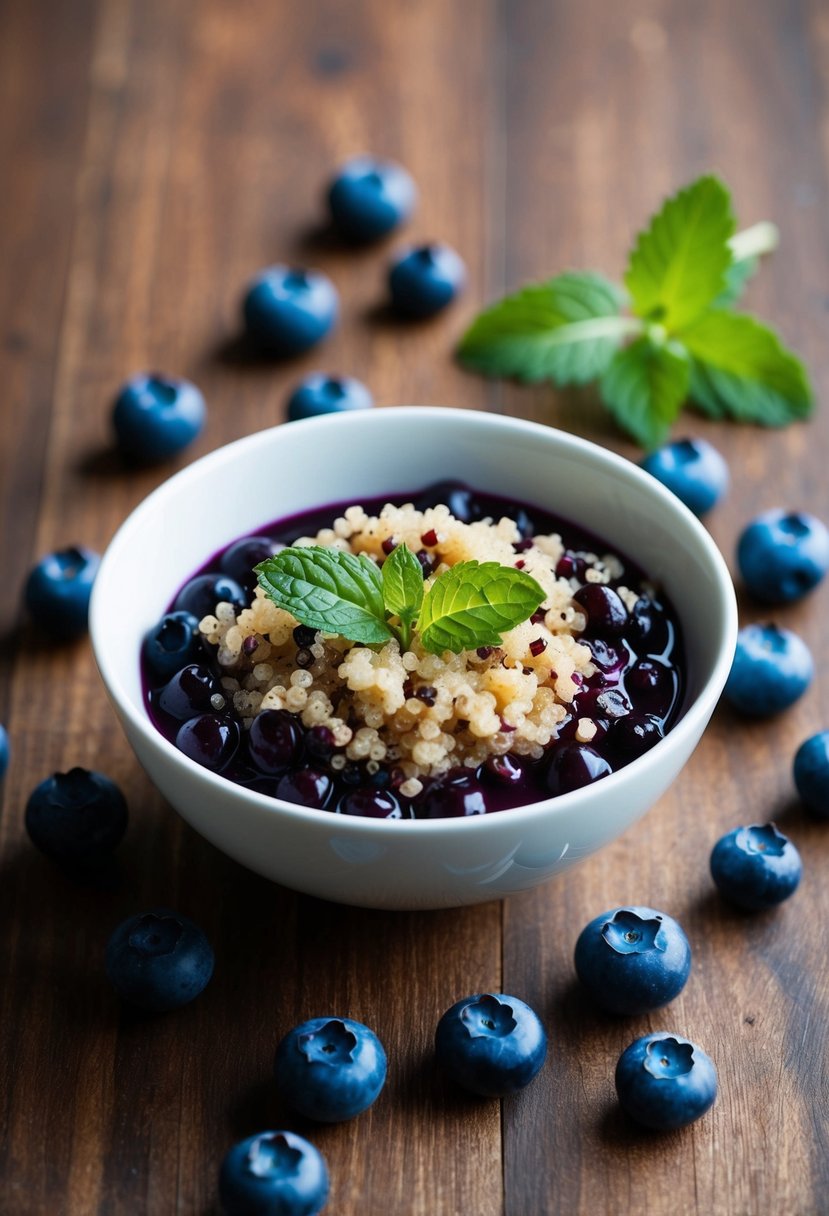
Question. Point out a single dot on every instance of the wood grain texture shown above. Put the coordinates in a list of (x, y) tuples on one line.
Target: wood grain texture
[(155, 154)]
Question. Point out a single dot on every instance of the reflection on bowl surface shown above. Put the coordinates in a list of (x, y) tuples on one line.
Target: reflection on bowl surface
[(351, 459)]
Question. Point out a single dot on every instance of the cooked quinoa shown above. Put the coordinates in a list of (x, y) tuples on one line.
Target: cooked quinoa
[(414, 711)]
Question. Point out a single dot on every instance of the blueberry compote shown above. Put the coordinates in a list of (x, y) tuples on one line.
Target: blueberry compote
[(631, 698)]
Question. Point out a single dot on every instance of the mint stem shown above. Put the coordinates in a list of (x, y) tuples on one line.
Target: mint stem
[(404, 635), (753, 242)]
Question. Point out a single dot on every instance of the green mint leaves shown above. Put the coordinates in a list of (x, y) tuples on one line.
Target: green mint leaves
[(686, 271), (402, 577), (472, 604), (328, 589), (678, 265), (566, 331)]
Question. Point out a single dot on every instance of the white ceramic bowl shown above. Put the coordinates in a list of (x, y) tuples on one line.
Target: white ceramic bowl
[(426, 863)]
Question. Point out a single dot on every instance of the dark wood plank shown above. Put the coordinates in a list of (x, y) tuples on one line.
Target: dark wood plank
[(664, 92), (207, 146)]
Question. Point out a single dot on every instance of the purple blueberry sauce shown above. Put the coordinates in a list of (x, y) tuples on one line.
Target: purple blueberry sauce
[(634, 696)]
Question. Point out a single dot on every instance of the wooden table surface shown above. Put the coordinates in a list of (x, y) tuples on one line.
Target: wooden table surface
[(154, 154)]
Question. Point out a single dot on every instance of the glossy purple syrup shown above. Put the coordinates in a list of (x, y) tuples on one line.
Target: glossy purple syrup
[(634, 696)]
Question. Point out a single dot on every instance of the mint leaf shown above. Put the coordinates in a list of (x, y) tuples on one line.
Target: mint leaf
[(328, 589), (473, 604), (740, 369), (679, 263), (402, 577), (644, 388), (565, 330)]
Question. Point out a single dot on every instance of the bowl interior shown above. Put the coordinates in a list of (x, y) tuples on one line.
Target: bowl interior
[(291, 468)]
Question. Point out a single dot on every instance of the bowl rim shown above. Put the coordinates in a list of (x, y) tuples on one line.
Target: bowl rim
[(213, 462)]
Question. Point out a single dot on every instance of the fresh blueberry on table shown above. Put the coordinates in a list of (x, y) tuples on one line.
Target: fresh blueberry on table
[(756, 867), (693, 470), (811, 773), (171, 644), (424, 280), (156, 417), (158, 960), (287, 310), (330, 1069), (772, 667), (4, 751), (76, 818), (201, 594), (664, 1081), (320, 394), (273, 1174), (491, 1044), (370, 198), (632, 960), (58, 590), (782, 555)]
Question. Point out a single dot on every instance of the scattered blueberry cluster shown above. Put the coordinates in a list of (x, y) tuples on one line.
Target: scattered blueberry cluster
[(781, 556), (286, 311), (631, 960)]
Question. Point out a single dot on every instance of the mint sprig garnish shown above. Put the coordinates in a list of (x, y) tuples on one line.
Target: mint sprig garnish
[(679, 341), (472, 604)]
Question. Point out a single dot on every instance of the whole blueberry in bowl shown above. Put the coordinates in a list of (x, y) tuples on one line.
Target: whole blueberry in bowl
[(273, 1174), (692, 469), (156, 417), (664, 1081), (191, 691), (811, 773), (200, 595), (4, 751), (772, 668), (632, 960), (756, 867), (369, 198), (782, 555), (287, 310), (76, 818), (330, 1069), (170, 644), (238, 562), (424, 280), (491, 1044), (320, 394), (58, 591), (158, 960), (209, 739)]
